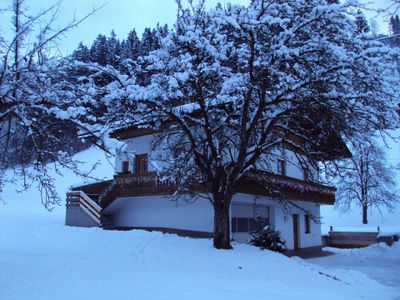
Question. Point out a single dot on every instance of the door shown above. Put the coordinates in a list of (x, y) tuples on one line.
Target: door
[(296, 231)]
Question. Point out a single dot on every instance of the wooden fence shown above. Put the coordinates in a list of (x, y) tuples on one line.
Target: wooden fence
[(352, 239)]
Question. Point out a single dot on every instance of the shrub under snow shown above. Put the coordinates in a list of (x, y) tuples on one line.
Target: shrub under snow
[(266, 237)]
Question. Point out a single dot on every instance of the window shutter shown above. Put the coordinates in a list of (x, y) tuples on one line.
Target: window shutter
[(141, 164), (125, 167)]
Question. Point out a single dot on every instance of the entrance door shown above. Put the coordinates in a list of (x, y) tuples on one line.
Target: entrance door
[(296, 231)]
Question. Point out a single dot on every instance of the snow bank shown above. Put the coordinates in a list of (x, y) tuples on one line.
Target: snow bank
[(379, 262), (374, 251), (43, 259)]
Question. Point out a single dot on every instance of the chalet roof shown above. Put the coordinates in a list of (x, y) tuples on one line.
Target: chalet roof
[(314, 122), (269, 184), (329, 145), (128, 132)]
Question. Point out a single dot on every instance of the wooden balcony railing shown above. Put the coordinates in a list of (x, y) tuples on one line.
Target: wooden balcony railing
[(135, 184), (255, 182)]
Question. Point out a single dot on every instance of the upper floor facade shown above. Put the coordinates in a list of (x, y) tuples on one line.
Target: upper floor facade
[(138, 157)]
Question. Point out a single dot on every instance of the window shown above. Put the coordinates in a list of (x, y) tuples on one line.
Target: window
[(281, 167), (307, 223), (141, 162), (245, 224), (125, 167)]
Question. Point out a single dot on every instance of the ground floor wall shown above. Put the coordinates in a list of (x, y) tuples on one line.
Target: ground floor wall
[(75, 216), (282, 220), (196, 218), (162, 212)]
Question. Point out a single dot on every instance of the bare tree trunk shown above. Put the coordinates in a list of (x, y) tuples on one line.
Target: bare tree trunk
[(17, 12), (222, 234), (364, 214)]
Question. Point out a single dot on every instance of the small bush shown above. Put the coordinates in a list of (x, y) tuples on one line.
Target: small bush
[(265, 237)]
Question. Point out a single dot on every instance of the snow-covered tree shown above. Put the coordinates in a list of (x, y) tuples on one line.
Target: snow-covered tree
[(82, 53), (99, 50), (394, 23), (361, 22), (366, 180), (394, 7), (266, 237), (231, 86), (131, 46), (149, 41), (39, 108), (113, 49)]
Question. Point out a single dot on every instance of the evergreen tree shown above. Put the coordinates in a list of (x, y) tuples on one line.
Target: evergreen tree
[(266, 237), (98, 51), (113, 48), (130, 48), (111, 51), (82, 53), (148, 42), (161, 32), (361, 23), (394, 24)]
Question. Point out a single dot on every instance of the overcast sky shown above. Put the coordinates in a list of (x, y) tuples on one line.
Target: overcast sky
[(123, 16)]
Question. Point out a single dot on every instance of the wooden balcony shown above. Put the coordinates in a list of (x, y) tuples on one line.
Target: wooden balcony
[(268, 184), (128, 184), (255, 182)]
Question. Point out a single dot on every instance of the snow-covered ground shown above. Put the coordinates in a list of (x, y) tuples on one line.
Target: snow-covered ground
[(378, 261), (40, 258)]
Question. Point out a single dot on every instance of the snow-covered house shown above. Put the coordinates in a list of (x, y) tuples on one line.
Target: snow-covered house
[(137, 199)]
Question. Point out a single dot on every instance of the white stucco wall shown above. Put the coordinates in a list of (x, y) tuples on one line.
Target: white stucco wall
[(161, 211), (284, 221), (137, 145), (293, 165), (142, 145)]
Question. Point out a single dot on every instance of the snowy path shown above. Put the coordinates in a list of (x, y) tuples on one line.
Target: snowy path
[(379, 262)]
